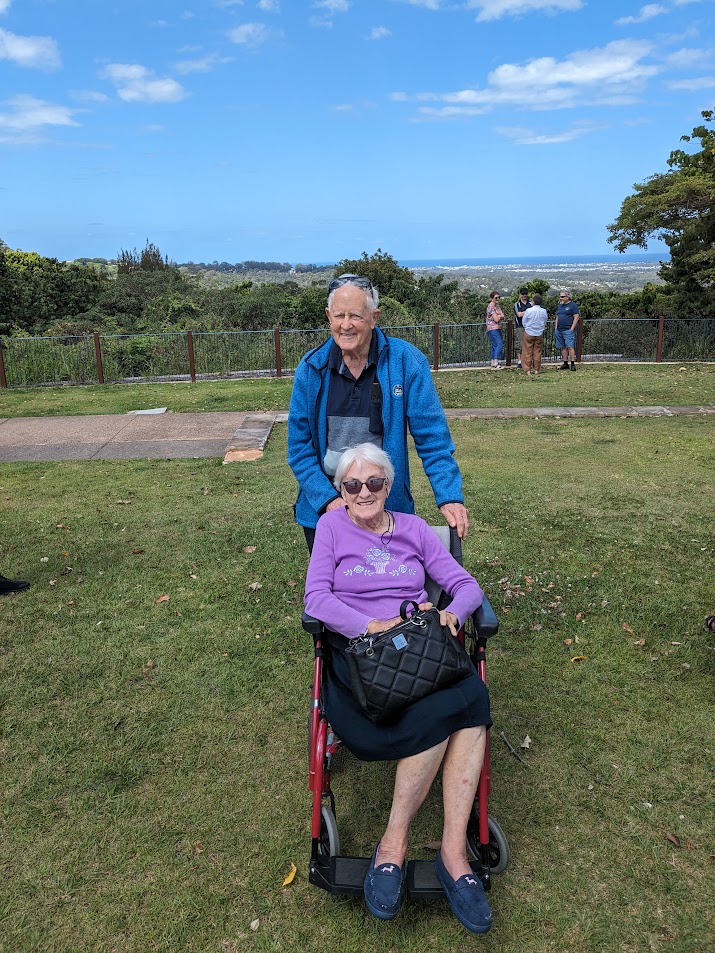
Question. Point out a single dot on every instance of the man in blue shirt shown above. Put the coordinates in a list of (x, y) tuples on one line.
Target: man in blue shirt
[(567, 318)]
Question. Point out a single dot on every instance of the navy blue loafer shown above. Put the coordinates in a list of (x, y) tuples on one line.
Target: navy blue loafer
[(383, 888), (466, 897)]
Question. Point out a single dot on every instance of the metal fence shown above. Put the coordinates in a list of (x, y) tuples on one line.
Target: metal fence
[(187, 355)]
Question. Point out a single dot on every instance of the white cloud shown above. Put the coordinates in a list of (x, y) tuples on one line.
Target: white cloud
[(5, 5), (203, 64), (334, 6), (647, 12), (27, 117), (269, 6), (379, 33), (523, 136), (249, 34), (687, 58), (89, 96), (496, 9), (451, 112), (605, 75), (700, 82), (40, 52), (137, 84)]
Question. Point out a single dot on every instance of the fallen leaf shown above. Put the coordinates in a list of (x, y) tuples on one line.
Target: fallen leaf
[(255, 924), (433, 844), (198, 847), (53, 582), (526, 743), (163, 598), (291, 874), (124, 502), (640, 642), (137, 552), (628, 629), (149, 667), (255, 586), (528, 580), (192, 575), (206, 491), (579, 658), (66, 571), (579, 616), (676, 643), (292, 582), (249, 549), (674, 840), (568, 641)]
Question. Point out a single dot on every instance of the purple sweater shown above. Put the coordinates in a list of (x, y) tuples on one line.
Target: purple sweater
[(353, 579)]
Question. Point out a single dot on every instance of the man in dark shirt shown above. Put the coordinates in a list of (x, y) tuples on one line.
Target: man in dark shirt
[(567, 318)]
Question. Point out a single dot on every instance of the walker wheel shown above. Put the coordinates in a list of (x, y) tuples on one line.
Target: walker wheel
[(329, 843), (498, 845)]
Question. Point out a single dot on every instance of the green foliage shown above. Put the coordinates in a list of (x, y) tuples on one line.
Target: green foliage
[(36, 291), (383, 271), (537, 286), (678, 207), (150, 259)]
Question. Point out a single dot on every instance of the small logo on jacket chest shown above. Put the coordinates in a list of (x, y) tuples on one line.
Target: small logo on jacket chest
[(397, 390)]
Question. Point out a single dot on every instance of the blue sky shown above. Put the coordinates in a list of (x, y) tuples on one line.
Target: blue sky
[(311, 131)]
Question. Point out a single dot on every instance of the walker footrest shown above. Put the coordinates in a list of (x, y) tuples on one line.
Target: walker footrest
[(344, 876)]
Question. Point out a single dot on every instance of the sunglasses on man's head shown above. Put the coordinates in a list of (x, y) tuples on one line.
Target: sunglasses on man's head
[(374, 485), (357, 280)]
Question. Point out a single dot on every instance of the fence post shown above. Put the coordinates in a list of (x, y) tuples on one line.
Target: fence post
[(435, 345), (3, 379), (579, 342), (277, 339), (98, 357), (192, 363), (509, 340), (661, 327)]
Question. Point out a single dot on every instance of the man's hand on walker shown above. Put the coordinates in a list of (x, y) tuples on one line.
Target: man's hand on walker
[(457, 516)]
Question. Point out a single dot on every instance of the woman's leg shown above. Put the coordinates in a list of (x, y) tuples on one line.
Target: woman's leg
[(460, 775), (413, 779)]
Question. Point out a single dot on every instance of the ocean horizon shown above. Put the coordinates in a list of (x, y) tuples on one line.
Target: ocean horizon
[(531, 261)]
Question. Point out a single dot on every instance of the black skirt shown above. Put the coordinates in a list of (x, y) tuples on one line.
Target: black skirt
[(420, 726)]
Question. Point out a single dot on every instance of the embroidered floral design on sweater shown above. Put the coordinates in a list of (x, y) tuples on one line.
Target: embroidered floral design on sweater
[(379, 558)]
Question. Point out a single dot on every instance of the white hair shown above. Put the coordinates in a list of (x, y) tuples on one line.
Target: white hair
[(361, 454), (372, 296)]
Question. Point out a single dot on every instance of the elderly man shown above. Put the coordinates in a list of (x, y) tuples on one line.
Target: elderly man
[(362, 386), (567, 318)]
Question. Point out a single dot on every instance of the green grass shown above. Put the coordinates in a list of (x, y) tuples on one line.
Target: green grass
[(153, 754), (602, 385)]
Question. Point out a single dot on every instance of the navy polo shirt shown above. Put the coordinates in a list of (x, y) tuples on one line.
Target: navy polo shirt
[(520, 306), (354, 406), (565, 313)]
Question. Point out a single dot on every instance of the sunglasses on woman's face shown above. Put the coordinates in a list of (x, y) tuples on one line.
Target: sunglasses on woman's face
[(374, 485)]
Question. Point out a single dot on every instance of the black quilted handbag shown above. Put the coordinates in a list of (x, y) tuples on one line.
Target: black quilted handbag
[(392, 669)]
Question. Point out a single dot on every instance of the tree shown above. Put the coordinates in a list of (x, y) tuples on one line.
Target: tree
[(149, 260), (678, 207), (383, 271)]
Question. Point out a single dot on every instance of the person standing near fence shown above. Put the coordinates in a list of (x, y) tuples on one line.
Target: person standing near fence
[(495, 316), (535, 319), (362, 386), (521, 304), (567, 318)]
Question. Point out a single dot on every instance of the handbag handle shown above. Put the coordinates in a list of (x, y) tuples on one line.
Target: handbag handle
[(405, 606)]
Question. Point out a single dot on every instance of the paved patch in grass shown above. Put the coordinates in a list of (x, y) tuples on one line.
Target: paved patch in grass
[(153, 750)]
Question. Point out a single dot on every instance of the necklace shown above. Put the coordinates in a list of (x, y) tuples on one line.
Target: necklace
[(387, 535)]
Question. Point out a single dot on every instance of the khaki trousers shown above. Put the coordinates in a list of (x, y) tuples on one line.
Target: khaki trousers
[(531, 352)]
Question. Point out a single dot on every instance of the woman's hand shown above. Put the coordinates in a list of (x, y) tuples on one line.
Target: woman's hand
[(450, 620), (381, 625)]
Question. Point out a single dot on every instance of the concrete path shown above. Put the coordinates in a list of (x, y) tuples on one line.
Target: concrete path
[(233, 436)]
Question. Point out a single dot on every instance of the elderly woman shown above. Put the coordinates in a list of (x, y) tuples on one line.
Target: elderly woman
[(365, 562)]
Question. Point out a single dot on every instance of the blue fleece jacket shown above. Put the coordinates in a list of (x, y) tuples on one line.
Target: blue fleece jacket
[(409, 401)]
